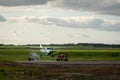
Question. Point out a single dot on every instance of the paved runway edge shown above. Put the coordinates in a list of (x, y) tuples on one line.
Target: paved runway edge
[(72, 62)]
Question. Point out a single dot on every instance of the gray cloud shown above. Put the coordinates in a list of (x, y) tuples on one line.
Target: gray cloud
[(22, 2), (2, 19), (111, 7), (73, 22)]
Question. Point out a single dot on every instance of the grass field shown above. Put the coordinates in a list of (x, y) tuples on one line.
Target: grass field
[(11, 70), (93, 54), (19, 53)]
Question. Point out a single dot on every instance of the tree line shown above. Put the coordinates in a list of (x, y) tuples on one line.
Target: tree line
[(72, 44)]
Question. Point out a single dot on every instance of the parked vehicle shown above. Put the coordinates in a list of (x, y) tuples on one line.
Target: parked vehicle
[(62, 57)]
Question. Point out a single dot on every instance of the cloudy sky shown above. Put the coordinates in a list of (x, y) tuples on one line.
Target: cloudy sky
[(59, 21)]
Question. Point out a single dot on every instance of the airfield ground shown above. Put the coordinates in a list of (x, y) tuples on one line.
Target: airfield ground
[(98, 64), (59, 71)]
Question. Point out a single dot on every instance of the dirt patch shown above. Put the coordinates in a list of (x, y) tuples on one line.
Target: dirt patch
[(31, 71)]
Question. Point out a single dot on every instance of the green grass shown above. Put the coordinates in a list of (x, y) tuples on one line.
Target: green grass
[(13, 55), (19, 53), (14, 47), (77, 55), (90, 53), (73, 55)]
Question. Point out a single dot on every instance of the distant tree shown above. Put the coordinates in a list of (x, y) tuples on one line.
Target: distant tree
[(1, 44)]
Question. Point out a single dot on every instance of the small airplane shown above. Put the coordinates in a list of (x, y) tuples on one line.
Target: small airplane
[(46, 51), (43, 52)]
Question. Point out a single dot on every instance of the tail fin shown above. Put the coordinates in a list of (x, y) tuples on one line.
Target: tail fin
[(41, 46)]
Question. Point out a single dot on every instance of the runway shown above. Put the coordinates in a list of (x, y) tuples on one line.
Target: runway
[(71, 62)]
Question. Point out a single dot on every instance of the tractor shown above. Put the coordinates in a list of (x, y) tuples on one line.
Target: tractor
[(62, 56)]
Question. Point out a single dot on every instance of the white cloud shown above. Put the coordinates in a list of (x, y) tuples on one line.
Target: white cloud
[(24, 19), (78, 35), (73, 22)]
